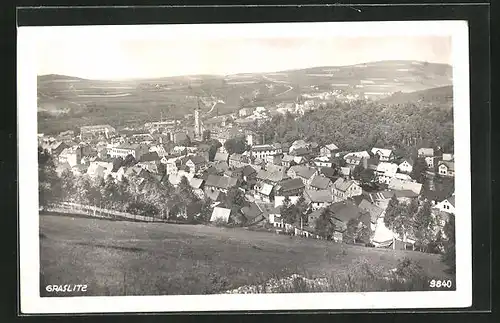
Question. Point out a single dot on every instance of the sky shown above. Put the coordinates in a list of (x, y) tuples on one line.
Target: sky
[(108, 58)]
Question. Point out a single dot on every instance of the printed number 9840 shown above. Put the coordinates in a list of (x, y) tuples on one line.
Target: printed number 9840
[(440, 283)]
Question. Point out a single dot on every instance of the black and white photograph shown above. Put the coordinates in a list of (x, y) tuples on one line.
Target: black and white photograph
[(219, 167)]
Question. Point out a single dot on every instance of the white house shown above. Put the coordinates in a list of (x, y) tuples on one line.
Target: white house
[(447, 205), (384, 154), (448, 157), (261, 151), (446, 168), (426, 152), (344, 189), (406, 166), (329, 150), (385, 172)]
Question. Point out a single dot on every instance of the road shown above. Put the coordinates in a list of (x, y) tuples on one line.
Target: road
[(282, 82)]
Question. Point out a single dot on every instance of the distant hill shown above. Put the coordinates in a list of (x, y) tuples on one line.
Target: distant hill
[(440, 95), (57, 77)]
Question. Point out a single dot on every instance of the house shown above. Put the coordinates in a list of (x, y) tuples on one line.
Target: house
[(401, 185), (344, 189), (249, 173), (279, 200), (329, 150), (175, 179), (328, 172), (197, 186), (446, 168), (447, 205), (290, 187), (237, 160), (264, 192), (273, 214), (353, 161), (431, 161), (318, 199), (298, 144), (374, 211), (123, 150), (342, 213), (305, 173), (360, 154), (320, 183), (221, 157), (72, 156), (220, 214), (406, 165), (425, 152), (345, 171), (245, 112), (385, 172), (220, 183), (287, 161), (91, 132), (118, 174), (324, 161), (371, 163), (150, 166), (273, 160), (252, 214), (299, 160), (54, 147), (300, 152), (261, 151), (384, 154), (405, 196), (271, 177), (196, 164), (94, 170), (236, 173)]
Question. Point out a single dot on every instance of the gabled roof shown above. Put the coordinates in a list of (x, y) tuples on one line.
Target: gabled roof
[(408, 160), (332, 147), (360, 154), (320, 182), (248, 170), (251, 212), (375, 211), (301, 151), (451, 199), (389, 169), (321, 196), (235, 157), (405, 193), (346, 171), (291, 184), (449, 164), (221, 157), (287, 158), (265, 189), (382, 152), (220, 213), (196, 182), (401, 185), (151, 156), (223, 182), (221, 166), (197, 159), (304, 171), (327, 171), (342, 184), (345, 211)]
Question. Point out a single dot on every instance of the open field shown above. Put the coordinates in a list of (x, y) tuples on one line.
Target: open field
[(127, 258), (66, 102)]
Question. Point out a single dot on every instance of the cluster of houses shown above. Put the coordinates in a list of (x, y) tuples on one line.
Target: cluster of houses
[(323, 175)]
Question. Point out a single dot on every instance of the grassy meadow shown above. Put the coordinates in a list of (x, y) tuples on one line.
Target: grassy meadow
[(130, 258)]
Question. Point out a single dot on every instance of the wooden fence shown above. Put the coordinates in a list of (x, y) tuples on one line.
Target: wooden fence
[(94, 211)]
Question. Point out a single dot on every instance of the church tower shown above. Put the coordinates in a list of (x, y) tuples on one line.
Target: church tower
[(197, 125)]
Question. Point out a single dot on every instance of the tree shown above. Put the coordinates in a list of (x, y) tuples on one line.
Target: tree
[(449, 255), (235, 199), (117, 163), (324, 226), (419, 170), (68, 185), (357, 171), (206, 135), (353, 230), (236, 145), (129, 161), (423, 225), (49, 184), (391, 212), (206, 210)]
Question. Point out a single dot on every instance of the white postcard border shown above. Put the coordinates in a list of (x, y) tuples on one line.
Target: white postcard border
[(32, 303)]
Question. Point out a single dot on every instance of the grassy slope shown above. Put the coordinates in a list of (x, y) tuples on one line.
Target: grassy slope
[(117, 258)]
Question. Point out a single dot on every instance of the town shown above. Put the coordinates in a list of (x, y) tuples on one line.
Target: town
[(220, 170)]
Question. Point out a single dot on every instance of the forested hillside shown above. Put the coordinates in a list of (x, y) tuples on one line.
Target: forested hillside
[(362, 125)]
